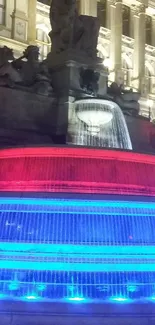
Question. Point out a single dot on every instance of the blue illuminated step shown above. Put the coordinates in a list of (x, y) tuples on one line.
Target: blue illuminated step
[(76, 286), (77, 250), (77, 222), (82, 258)]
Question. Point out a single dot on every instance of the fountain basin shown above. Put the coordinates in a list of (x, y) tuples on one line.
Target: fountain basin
[(94, 115), (100, 123)]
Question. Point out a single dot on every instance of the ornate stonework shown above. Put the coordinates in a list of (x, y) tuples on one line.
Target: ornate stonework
[(138, 9)]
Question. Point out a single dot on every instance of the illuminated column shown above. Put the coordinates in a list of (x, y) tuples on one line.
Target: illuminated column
[(116, 37), (139, 46), (88, 8), (32, 12)]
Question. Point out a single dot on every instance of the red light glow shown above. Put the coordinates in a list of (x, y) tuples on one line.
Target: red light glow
[(76, 170)]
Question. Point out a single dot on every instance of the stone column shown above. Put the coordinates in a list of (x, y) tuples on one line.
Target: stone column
[(9, 8), (132, 12), (88, 7), (108, 7), (153, 30), (32, 13), (139, 46), (116, 37)]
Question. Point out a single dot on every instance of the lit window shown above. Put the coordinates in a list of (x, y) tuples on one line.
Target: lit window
[(101, 12), (43, 43), (148, 27), (2, 11), (126, 20)]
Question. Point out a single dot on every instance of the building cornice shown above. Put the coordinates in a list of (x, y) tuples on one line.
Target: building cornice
[(11, 43)]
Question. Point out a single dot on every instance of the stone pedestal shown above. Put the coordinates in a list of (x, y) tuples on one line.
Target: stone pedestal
[(65, 69)]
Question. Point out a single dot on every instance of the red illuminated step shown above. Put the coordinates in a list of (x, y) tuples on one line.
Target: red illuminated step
[(77, 170)]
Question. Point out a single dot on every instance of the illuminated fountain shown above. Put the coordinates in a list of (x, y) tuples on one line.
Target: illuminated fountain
[(77, 202), (99, 122)]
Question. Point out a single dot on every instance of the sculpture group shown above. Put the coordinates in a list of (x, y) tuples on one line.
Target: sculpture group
[(26, 71), (71, 31)]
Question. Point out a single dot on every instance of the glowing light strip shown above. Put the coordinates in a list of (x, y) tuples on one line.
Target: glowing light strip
[(75, 152), (65, 203), (77, 249), (77, 258), (77, 267)]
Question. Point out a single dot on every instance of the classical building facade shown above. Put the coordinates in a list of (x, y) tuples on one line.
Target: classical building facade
[(126, 41)]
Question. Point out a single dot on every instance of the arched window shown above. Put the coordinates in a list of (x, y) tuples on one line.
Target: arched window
[(126, 71), (2, 11), (126, 20), (148, 78), (101, 12), (148, 28), (43, 43)]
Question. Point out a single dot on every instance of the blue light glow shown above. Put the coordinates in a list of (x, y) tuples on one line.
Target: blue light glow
[(132, 288), (153, 298), (76, 299), (41, 287), (120, 299), (14, 285), (31, 297), (3, 296)]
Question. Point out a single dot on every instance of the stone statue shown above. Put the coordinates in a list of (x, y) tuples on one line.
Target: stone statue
[(43, 81), (70, 31), (28, 65), (126, 99), (62, 18), (25, 71), (86, 35), (89, 81), (8, 75)]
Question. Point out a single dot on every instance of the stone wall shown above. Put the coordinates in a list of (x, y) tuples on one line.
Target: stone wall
[(78, 314), (29, 119)]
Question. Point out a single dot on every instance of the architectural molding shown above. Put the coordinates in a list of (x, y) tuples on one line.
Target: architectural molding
[(114, 2)]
